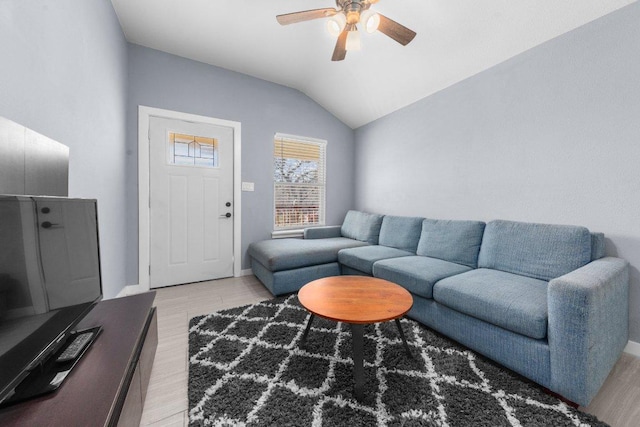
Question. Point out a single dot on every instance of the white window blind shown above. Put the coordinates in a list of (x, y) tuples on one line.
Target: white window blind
[(299, 181)]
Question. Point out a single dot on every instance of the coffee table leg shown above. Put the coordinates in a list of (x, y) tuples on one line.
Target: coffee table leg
[(306, 330), (404, 340), (357, 337)]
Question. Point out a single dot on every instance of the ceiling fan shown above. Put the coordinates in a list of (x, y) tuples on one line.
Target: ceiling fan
[(343, 23)]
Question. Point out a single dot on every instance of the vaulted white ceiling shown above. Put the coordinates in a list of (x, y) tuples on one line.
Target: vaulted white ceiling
[(456, 39)]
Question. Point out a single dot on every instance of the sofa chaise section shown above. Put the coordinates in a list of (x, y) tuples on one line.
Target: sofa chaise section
[(285, 265)]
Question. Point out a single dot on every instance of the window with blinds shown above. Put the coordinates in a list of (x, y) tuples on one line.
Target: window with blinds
[(299, 181)]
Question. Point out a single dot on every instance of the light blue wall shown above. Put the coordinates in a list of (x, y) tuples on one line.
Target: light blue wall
[(161, 80), (63, 74), (552, 135)]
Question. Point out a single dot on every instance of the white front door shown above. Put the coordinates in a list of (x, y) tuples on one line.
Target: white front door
[(191, 201)]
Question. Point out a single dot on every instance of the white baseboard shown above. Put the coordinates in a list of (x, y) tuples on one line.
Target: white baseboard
[(247, 272), (137, 289), (129, 290), (633, 348)]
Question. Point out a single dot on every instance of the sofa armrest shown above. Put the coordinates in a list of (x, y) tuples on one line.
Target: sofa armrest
[(588, 326), (322, 232)]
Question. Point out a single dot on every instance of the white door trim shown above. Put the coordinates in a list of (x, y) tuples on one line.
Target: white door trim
[(144, 114)]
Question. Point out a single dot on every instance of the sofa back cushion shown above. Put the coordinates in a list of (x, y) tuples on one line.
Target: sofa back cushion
[(542, 251), (362, 226), (451, 240), (400, 232), (597, 246)]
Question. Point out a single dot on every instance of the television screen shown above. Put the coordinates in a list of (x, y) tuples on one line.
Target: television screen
[(49, 278)]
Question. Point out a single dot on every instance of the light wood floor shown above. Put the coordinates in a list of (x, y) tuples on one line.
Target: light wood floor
[(618, 402)]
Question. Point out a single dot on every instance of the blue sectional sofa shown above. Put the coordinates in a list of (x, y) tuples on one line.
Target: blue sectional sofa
[(540, 299)]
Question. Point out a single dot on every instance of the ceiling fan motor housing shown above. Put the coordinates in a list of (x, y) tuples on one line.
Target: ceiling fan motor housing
[(352, 9)]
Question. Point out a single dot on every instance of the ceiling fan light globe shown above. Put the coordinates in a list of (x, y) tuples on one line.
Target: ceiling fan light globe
[(370, 21), (353, 40), (336, 24)]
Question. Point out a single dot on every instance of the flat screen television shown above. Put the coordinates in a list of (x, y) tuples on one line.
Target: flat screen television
[(49, 279)]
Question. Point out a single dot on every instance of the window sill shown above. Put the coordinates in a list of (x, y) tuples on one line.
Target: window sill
[(283, 234)]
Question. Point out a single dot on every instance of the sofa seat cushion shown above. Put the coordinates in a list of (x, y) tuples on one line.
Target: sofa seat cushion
[(362, 258), (417, 274), (510, 301), (542, 251), (287, 254)]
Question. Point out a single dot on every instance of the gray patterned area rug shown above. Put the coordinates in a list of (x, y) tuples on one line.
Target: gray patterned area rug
[(246, 368)]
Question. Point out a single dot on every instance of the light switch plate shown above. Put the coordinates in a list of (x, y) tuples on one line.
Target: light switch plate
[(248, 186)]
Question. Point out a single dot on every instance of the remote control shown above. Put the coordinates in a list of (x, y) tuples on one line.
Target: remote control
[(73, 350)]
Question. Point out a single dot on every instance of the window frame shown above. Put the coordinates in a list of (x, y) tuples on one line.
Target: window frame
[(322, 183)]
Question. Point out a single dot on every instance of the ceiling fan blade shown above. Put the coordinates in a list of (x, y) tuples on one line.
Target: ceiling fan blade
[(306, 15), (340, 51), (396, 31)]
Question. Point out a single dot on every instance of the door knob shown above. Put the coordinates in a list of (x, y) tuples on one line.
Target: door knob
[(227, 204), (227, 215), (47, 224)]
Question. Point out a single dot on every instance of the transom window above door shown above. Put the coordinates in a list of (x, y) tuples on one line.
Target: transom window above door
[(299, 181), (192, 150)]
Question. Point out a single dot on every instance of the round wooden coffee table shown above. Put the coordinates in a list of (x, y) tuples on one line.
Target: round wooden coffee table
[(357, 300)]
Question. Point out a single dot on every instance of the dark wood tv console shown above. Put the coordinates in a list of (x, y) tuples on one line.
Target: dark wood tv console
[(108, 385)]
